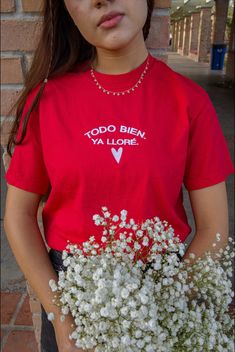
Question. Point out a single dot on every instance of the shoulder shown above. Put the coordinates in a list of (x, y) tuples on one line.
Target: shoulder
[(58, 86), (177, 80), (187, 92)]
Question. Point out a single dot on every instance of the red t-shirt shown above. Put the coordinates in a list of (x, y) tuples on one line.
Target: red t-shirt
[(132, 151)]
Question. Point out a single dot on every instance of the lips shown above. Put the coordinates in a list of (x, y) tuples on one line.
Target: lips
[(109, 16)]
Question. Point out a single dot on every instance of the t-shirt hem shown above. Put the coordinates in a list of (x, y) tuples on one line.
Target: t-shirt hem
[(16, 183), (191, 186)]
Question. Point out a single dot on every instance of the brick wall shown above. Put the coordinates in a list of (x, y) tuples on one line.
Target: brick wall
[(158, 40), (20, 29), (21, 25)]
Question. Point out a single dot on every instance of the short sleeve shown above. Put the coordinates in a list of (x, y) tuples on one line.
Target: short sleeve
[(208, 159), (27, 169)]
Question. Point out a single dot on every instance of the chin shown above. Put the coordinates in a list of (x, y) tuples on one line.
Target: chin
[(116, 43), (114, 47)]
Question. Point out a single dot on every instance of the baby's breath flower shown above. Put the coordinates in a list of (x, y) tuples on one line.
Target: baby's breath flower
[(218, 236), (161, 298), (137, 245), (53, 285), (50, 316), (145, 241), (122, 236), (115, 218), (123, 215), (64, 255), (65, 310), (98, 222), (139, 233), (192, 256), (125, 293)]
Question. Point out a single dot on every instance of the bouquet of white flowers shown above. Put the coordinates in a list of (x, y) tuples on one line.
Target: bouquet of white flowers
[(130, 292)]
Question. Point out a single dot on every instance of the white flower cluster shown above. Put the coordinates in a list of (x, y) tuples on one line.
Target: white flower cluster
[(131, 293)]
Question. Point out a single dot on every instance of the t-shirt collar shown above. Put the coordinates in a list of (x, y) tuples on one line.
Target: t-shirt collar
[(122, 81)]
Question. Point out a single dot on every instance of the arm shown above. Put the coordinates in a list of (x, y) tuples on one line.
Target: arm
[(25, 239), (24, 236), (210, 210)]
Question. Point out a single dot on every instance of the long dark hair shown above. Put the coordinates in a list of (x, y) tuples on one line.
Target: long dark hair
[(67, 47)]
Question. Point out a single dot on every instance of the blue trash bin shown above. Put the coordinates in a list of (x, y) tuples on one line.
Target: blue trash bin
[(217, 58)]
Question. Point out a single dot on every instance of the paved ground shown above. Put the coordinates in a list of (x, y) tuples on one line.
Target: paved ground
[(17, 334), (16, 320)]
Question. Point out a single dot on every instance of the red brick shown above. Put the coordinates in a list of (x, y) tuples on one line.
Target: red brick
[(11, 70), (181, 32), (32, 5), (195, 22), (163, 4), (6, 160), (221, 14), (204, 35), (7, 5), (9, 303), (160, 24), (22, 341), (186, 38), (24, 316), (8, 98), (5, 130), (20, 34)]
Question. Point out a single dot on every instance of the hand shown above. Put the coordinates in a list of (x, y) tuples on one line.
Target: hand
[(62, 332)]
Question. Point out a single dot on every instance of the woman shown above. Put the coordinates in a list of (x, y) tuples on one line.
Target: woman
[(108, 125)]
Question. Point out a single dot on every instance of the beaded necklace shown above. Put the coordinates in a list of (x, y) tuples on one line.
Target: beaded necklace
[(127, 91)]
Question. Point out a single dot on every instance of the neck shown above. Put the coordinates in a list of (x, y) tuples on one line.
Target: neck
[(122, 60)]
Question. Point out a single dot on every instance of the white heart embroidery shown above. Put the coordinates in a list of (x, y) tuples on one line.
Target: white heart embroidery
[(117, 153)]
